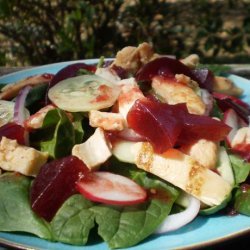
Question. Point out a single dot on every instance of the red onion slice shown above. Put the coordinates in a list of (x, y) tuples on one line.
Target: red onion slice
[(176, 221), (208, 99), (20, 113), (130, 135)]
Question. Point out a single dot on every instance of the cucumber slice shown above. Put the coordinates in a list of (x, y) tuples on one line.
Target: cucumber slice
[(7, 112), (224, 168), (183, 199), (84, 93), (123, 151)]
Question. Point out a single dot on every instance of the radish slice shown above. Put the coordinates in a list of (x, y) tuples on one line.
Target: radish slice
[(19, 109), (231, 119), (176, 221), (111, 189)]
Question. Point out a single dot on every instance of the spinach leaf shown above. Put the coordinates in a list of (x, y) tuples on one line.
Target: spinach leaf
[(59, 134), (242, 200), (119, 226), (36, 97), (15, 211), (77, 124), (73, 221), (240, 167), (84, 72), (123, 227), (215, 209), (132, 224), (2, 85), (216, 112), (217, 69), (101, 62)]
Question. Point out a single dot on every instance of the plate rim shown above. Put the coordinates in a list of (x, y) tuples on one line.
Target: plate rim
[(221, 239), (32, 68)]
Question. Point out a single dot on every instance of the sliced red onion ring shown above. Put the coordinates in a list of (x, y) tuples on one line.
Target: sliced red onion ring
[(176, 221), (208, 99), (130, 135), (20, 112), (19, 109)]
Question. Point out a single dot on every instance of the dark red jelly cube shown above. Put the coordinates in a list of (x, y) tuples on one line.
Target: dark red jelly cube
[(54, 184), (13, 131), (163, 66), (202, 127), (156, 123), (166, 126)]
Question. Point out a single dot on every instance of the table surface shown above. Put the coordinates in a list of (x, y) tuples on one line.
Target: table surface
[(241, 242)]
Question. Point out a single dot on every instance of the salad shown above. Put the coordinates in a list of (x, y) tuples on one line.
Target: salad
[(123, 149)]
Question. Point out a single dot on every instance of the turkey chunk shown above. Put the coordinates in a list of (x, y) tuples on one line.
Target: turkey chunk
[(19, 158), (95, 151), (205, 152), (36, 120), (226, 86), (106, 120), (129, 94), (173, 92), (11, 90), (242, 136), (191, 61), (132, 58)]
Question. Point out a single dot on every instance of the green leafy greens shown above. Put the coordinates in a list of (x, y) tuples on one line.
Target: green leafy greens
[(58, 134), (240, 167), (119, 226), (15, 211), (242, 200)]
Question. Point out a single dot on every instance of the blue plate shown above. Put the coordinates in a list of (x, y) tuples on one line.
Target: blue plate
[(202, 231)]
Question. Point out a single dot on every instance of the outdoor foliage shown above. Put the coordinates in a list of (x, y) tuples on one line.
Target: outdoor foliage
[(39, 32)]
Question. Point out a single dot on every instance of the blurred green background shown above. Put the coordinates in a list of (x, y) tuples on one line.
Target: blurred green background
[(35, 32)]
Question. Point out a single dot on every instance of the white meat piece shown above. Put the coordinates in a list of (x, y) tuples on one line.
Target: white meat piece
[(226, 86), (205, 152), (108, 74), (128, 81), (36, 120), (184, 172), (242, 136), (11, 90), (106, 120), (132, 58), (129, 94), (191, 61), (173, 92), (94, 151), (19, 158)]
